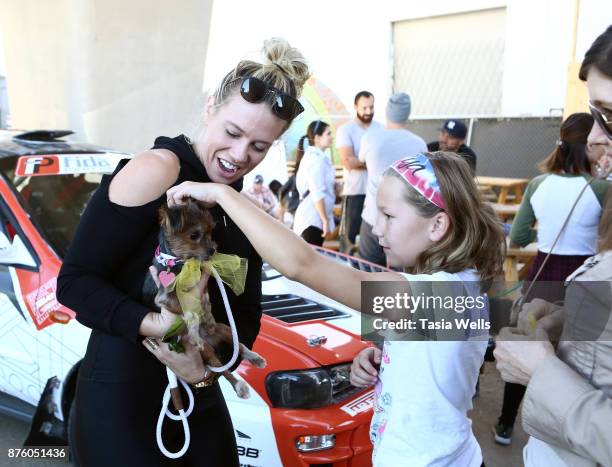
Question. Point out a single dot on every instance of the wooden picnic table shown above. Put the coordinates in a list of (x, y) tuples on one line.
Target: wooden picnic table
[(516, 257), (505, 211), (505, 186)]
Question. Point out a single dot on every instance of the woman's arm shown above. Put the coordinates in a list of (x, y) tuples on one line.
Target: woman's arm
[(579, 418), (316, 186), (522, 232), (280, 247), (116, 220), (320, 208)]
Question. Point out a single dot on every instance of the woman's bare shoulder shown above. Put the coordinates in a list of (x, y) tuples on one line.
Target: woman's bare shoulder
[(145, 178)]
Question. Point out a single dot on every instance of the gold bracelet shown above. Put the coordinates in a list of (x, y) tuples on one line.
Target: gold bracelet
[(206, 382)]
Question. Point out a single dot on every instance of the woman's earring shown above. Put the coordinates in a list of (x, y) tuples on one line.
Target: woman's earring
[(602, 170)]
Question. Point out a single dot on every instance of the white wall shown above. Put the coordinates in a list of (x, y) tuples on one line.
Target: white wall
[(121, 72), (538, 51), (2, 66), (346, 43), (116, 72), (594, 17), (349, 43)]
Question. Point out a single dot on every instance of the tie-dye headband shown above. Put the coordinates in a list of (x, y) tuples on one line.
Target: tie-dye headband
[(419, 173)]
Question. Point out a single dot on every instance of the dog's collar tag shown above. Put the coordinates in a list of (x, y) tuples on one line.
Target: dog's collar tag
[(166, 260)]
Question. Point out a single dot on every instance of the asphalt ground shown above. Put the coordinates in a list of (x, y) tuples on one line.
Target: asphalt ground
[(487, 407)]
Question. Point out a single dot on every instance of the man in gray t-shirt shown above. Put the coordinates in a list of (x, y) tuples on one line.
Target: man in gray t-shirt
[(378, 151), (348, 142)]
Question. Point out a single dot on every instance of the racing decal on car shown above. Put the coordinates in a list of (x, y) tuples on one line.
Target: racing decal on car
[(255, 439), (359, 405), (7, 290), (63, 164), (42, 302), (29, 357)]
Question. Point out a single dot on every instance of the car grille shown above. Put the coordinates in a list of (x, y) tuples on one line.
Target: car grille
[(293, 309)]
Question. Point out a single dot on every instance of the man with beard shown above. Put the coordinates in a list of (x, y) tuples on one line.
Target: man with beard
[(355, 177), (452, 138), (379, 150)]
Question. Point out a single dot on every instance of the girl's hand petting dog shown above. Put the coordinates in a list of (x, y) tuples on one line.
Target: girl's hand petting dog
[(207, 193)]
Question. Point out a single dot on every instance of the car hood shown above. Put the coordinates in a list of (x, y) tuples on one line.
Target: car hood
[(326, 341)]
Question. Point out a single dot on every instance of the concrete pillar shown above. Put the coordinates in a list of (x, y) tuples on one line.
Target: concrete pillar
[(116, 72)]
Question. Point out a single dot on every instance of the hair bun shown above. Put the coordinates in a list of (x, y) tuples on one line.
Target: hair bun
[(278, 53)]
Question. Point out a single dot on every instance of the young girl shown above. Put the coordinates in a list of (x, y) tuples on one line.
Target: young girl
[(432, 222), (315, 180)]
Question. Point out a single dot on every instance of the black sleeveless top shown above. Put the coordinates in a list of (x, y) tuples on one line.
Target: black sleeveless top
[(104, 269)]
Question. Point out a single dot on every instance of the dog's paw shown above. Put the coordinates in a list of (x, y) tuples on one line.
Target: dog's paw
[(259, 361), (242, 389)]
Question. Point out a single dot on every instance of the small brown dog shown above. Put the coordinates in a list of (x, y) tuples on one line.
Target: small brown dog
[(186, 233)]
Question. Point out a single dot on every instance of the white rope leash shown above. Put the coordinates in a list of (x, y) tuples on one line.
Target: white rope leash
[(173, 383), (182, 416)]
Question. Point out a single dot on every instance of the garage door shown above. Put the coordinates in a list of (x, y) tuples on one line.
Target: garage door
[(451, 65)]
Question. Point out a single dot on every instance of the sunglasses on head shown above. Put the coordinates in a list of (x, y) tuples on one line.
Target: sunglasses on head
[(600, 119), (284, 106)]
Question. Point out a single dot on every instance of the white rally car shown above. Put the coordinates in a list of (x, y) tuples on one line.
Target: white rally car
[(302, 411)]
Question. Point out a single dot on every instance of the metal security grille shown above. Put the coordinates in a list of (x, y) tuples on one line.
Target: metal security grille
[(451, 65), (506, 147), (513, 147)]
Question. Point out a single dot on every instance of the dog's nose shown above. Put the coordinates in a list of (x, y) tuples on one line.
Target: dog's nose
[(211, 251)]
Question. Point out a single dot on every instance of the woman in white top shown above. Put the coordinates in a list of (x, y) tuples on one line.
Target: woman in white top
[(315, 180)]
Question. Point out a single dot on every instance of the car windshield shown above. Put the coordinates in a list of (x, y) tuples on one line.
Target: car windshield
[(55, 202)]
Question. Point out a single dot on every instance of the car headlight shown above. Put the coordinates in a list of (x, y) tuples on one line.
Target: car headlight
[(309, 389)]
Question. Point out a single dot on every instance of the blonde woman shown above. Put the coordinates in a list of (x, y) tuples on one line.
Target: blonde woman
[(120, 381)]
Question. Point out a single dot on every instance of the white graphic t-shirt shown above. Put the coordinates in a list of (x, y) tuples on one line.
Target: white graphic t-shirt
[(424, 392)]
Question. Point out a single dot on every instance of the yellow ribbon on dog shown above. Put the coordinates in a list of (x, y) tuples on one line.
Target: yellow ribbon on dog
[(232, 270)]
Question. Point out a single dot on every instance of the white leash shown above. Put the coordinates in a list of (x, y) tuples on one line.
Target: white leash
[(172, 390), (182, 415)]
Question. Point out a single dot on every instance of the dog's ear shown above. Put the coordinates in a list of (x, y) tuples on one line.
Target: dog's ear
[(207, 216), (163, 216), (171, 219), (201, 213), (209, 220)]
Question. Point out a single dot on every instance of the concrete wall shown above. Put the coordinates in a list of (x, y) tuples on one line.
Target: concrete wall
[(593, 18), (117, 72), (121, 72), (349, 43)]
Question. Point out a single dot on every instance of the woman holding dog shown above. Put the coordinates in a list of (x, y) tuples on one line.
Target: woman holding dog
[(120, 384)]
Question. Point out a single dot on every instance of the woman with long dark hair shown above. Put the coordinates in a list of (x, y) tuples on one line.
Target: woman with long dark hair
[(315, 180)]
